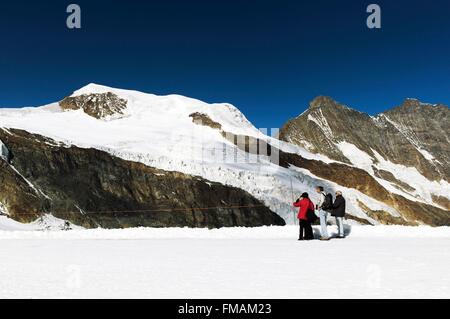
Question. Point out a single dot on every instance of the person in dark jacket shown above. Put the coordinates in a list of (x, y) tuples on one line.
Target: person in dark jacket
[(338, 211), (305, 204)]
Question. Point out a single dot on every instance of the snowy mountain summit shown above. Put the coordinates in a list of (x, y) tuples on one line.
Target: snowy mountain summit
[(119, 158)]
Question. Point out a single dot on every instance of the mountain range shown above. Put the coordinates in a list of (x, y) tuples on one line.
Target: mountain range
[(113, 158)]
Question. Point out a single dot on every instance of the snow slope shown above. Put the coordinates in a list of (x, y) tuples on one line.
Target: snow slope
[(373, 262), (424, 188), (157, 131), (47, 222)]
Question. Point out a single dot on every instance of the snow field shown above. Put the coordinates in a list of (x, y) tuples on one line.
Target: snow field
[(266, 262)]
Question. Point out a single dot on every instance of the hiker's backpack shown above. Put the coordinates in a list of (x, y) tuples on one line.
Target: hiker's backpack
[(311, 214), (328, 203)]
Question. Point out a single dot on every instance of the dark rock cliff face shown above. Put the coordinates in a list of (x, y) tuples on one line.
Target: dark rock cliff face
[(427, 127), (17, 197), (92, 188), (400, 135)]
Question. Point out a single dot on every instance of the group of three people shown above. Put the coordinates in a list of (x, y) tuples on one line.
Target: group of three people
[(325, 206)]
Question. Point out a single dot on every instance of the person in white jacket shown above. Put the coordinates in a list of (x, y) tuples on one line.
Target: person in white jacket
[(323, 215)]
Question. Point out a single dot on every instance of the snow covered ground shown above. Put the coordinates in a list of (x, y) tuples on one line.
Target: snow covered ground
[(266, 262)]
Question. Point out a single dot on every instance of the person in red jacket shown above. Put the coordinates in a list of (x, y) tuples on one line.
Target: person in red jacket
[(304, 204)]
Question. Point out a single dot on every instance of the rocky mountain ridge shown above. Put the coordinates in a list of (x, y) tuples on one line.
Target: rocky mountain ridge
[(413, 134), (165, 138)]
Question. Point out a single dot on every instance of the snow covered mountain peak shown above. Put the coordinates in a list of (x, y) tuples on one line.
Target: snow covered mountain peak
[(126, 119), (93, 88), (104, 102)]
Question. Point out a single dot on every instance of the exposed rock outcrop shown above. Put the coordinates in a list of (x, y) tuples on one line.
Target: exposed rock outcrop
[(205, 120), (442, 201), (384, 217), (99, 105), (388, 176)]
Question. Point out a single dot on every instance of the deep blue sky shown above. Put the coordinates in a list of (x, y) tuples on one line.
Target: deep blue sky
[(269, 58)]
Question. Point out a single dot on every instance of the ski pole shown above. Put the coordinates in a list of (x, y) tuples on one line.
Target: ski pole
[(293, 199)]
